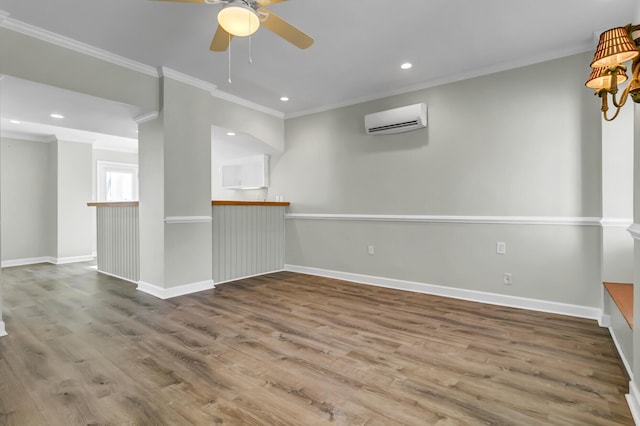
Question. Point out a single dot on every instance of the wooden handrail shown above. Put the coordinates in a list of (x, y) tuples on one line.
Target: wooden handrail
[(114, 204), (622, 295)]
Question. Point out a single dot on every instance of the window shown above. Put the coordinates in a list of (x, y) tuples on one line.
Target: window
[(117, 181)]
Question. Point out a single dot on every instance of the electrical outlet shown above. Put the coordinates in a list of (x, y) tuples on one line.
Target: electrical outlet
[(508, 279), (371, 250), (501, 247)]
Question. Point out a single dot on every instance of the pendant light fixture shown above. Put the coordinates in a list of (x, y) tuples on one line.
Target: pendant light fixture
[(615, 47)]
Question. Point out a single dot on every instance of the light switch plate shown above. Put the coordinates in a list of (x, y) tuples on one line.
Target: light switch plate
[(501, 247)]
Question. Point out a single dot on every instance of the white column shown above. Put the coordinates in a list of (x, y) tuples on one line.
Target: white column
[(175, 193), (617, 197)]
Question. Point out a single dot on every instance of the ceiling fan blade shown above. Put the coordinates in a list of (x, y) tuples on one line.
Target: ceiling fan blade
[(269, 2), (273, 22), (221, 40)]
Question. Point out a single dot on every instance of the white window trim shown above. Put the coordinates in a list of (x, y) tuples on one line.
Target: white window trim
[(101, 172)]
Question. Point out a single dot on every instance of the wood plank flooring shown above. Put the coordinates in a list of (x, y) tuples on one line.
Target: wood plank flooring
[(292, 349)]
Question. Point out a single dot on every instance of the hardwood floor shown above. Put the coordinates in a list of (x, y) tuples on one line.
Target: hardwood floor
[(291, 349)]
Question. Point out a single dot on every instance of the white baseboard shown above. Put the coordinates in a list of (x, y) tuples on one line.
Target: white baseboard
[(74, 259), (46, 259), (249, 276), (3, 331), (457, 293), (28, 261), (168, 293), (605, 321), (633, 399), (116, 276)]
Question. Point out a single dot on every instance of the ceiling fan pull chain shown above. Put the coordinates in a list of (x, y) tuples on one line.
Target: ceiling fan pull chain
[(229, 58), (249, 25)]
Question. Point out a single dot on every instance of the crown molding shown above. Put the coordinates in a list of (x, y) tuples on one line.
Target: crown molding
[(245, 103), (146, 117), (77, 46), (8, 134), (80, 47), (115, 147), (213, 90), (186, 79)]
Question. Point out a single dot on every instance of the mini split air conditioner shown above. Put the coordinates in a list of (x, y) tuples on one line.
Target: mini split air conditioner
[(397, 120)]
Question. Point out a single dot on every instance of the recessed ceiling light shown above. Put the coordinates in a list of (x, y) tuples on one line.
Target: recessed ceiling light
[(231, 133), (57, 116), (284, 99), (14, 122), (406, 65)]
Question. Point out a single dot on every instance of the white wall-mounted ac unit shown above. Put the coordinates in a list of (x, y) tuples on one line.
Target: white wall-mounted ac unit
[(396, 120)]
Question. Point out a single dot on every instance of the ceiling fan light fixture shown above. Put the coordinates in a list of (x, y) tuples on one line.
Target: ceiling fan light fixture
[(238, 19)]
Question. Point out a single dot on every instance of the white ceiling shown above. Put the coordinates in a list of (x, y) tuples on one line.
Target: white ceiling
[(87, 119), (359, 44)]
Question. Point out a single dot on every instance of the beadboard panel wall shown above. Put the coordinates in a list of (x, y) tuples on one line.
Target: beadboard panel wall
[(118, 244), (620, 331), (247, 241)]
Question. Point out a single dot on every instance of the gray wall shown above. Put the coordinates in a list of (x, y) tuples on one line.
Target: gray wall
[(525, 142), (263, 126), (52, 189), (175, 182), (26, 203), (187, 182), (74, 191), (636, 250), (24, 56), (617, 198), (45, 188), (151, 211), (522, 142)]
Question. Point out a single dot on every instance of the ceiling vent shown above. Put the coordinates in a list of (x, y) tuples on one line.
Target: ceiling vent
[(397, 120)]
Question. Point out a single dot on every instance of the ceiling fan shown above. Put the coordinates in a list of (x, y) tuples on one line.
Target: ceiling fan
[(244, 17)]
